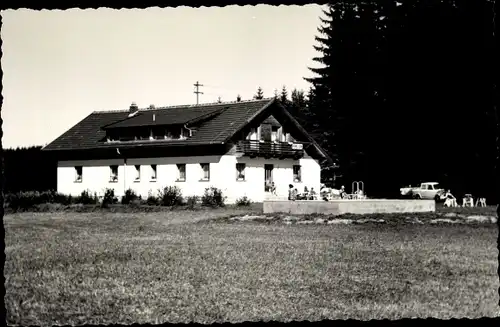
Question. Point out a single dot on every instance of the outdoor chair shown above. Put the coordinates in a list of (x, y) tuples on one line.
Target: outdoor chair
[(481, 202), (449, 202), (468, 200)]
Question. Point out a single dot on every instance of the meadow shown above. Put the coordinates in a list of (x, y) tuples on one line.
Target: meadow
[(198, 266)]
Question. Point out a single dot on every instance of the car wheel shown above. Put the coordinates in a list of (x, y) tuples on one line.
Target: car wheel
[(437, 198), (417, 197)]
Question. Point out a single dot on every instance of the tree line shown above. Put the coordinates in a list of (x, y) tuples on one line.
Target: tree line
[(403, 93), (28, 169)]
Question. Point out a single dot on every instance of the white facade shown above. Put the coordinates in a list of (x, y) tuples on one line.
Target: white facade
[(96, 176)]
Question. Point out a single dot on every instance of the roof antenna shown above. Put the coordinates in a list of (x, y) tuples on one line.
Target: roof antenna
[(197, 92)]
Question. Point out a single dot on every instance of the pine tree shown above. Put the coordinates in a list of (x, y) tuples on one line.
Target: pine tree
[(340, 99), (238, 98), (259, 95), (219, 100), (284, 96), (275, 93)]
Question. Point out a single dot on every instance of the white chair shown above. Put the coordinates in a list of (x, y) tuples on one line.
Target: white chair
[(450, 202), (481, 202), (468, 200)]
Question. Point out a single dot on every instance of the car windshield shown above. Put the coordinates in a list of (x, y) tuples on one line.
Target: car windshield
[(436, 186)]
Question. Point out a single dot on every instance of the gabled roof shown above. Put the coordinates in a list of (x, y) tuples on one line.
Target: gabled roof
[(219, 124), (89, 132)]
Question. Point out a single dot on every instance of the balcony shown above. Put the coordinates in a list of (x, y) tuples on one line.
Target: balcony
[(280, 150)]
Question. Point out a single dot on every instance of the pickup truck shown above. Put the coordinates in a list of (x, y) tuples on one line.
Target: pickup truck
[(429, 190)]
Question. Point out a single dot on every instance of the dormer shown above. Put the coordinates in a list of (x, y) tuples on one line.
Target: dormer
[(156, 124)]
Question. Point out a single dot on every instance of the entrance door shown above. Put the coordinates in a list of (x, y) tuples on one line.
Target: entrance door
[(268, 177)]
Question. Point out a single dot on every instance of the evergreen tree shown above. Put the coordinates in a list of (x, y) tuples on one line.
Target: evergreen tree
[(238, 98), (275, 93), (259, 95), (284, 96), (346, 82)]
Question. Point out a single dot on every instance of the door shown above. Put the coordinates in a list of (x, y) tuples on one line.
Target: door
[(268, 177)]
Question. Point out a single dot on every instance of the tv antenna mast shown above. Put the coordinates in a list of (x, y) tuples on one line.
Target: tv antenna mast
[(197, 92)]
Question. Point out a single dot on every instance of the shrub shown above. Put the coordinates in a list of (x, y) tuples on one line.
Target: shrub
[(170, 196), (108, 198), (213, 197), (152, 200), (63, 198), (192, 201), (243, 201), (129, 197), (86, 198)]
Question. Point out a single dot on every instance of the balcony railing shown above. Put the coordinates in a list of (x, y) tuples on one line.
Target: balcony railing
[(279, 150)]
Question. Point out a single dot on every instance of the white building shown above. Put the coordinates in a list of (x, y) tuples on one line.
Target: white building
[(238, 147)]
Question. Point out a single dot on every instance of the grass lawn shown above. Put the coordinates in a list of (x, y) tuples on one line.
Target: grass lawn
[(177, 266)]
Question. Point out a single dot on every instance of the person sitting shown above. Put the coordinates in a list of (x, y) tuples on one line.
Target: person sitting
[(273, 188), (312, 194), (295, 194), (343, 193), (450, 201), (290, 192)]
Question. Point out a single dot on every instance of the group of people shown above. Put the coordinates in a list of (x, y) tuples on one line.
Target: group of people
[(293, 193), (330, 193)]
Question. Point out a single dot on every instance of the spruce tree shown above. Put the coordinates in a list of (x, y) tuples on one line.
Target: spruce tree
[(342, 92), (284, 96), (259, 95)]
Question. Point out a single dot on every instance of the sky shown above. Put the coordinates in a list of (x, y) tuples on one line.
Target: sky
[(60, 66)]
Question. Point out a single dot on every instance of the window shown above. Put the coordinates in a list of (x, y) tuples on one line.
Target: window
[(240, 171), (78, 174), (297, 174), (114, 174), (181, 168), (137, 173), (205, 167), (153, 173)]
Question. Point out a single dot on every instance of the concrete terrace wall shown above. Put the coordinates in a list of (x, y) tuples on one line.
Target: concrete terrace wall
[(339, 207), (96, 176)]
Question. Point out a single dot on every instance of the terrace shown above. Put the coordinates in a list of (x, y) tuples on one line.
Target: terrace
[(281, 150)]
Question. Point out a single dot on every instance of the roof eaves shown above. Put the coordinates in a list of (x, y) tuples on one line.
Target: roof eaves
[(296, 123)]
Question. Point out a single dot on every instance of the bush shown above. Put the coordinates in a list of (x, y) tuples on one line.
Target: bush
[(192, 201), (213, 197), (86, 198), (152, 200), (108, 198), (170, 196), (243, 201), (63, 199), (129, 197)]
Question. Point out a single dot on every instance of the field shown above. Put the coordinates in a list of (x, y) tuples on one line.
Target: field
[(181, 266)]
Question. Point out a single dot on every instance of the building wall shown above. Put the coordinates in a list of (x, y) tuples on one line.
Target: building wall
[(96, 176)]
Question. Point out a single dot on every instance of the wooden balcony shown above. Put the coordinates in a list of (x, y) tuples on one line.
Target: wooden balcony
[(280, 150)]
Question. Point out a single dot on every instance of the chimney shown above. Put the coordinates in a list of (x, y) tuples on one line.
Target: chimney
[(133, 107)]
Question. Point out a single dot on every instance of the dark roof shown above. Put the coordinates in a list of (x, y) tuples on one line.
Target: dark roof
[(172, 116), (89, 132)]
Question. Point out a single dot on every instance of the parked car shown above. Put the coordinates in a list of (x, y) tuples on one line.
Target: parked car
[(428, 190)]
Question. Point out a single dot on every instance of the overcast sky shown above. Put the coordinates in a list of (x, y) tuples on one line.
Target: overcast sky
[(59, 66)]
